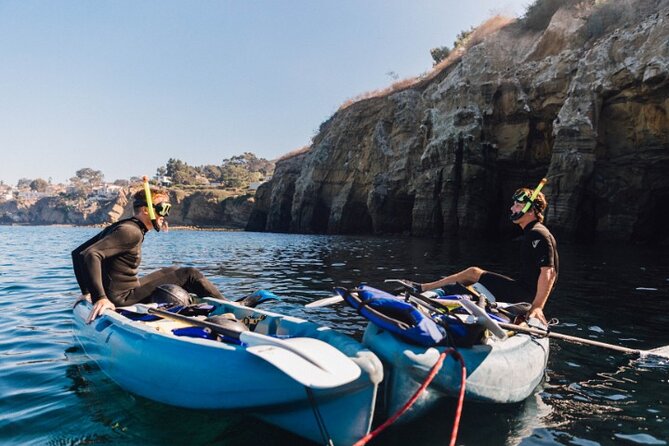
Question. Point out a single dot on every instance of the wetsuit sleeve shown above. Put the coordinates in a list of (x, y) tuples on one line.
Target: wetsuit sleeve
[(543, 252), (118, 241), (79, 266), (78, 273)]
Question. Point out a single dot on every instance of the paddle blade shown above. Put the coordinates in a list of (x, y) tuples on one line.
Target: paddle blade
[(662, 352), (311, 362), (257, 297), (325, 302)]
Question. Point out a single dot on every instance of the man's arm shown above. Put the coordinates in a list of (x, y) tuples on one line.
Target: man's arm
[(545, 283), (120, 240)]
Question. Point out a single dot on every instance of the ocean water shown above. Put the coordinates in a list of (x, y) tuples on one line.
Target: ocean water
[(52, 394)]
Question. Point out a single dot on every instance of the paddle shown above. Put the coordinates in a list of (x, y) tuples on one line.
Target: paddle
[(337, 298), (662, 352), (311, 362), (257, 297), (325, 302)]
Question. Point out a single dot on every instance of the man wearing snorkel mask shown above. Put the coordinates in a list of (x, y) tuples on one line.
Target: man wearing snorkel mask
[(106, 266), (538, 254)]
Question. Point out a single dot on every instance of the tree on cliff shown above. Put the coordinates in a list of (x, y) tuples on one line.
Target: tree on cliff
[(539, 14), (238, 171), (251, 163), (440, 53), (84, 181), (23, 183), (87, 177), (39, 185), (180, 172)]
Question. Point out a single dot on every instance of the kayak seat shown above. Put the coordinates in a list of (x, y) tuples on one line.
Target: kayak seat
[(510, 313)]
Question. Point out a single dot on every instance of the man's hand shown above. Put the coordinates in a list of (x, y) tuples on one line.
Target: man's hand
[(86, 297), (99, 307), (537, 313), (418, 287)]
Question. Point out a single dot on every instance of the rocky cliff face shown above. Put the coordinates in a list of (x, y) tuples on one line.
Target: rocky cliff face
[(207, 209), (59, 210), (198, 208), (444, 156)]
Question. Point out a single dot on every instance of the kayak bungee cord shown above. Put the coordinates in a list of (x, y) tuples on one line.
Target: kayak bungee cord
[(327, 439), (433, 372)]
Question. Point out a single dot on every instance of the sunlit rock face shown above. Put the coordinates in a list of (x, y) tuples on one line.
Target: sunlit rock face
[(194, 208), (443, 157), (206, 209), (62, 210)]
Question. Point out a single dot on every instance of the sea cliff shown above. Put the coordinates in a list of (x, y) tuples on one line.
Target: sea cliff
[(442, 156)]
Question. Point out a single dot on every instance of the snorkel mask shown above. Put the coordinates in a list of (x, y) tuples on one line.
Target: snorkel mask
[(521, 196), (163, 209)]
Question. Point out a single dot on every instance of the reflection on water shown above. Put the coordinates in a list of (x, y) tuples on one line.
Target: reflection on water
[(51, 393)]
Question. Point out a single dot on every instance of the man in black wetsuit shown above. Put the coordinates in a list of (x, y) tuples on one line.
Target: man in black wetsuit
[(539, 260), (106, 265)]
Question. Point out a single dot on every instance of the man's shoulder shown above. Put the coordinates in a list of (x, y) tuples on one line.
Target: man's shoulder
[(128, 227), (540, 232)]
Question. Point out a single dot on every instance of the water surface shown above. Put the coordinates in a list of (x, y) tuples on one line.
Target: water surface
[(51, 393)]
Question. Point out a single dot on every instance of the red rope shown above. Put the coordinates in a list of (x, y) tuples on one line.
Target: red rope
[(433, 372), (461, 399)]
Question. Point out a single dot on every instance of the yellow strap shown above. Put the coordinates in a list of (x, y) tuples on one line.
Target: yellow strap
[(149, 200), (534, 194)]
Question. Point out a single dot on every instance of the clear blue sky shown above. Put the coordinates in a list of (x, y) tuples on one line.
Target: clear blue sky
[(123, 85)]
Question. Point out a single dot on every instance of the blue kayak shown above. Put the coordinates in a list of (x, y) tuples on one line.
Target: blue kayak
[(297, 375)]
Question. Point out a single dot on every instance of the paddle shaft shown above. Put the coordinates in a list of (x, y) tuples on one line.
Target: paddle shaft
[(247, 337), (311, 365), (200, 323), (550, 334)]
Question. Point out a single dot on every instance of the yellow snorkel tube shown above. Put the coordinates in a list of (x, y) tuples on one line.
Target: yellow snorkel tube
[(149, 203), (534, 194), (521, 197)]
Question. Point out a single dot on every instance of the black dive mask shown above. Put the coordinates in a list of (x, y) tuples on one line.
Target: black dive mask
[(521, 197), (162, 209)]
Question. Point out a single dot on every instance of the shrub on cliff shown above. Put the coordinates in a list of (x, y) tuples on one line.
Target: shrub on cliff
[(607, 16), (539, 14), (39, 185)]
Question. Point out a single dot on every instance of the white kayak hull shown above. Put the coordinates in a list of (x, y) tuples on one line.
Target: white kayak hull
[(504, 371), (148, 360)]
